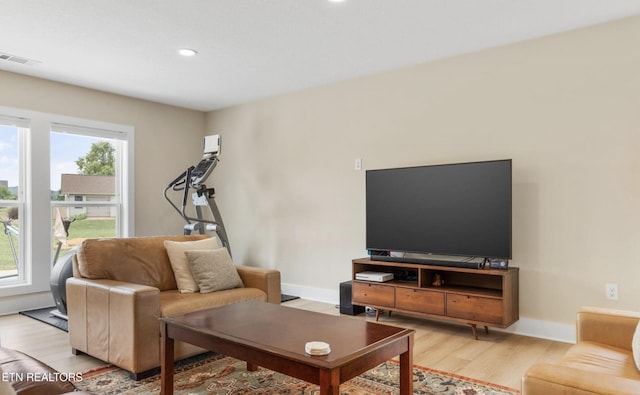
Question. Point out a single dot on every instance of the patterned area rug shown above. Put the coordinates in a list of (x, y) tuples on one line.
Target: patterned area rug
[(213, 374)]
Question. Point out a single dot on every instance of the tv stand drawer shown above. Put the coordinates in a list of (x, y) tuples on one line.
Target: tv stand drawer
[(373, 294), (420, 300), (474, 308)]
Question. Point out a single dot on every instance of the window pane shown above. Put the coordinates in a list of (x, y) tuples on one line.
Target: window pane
[(10, 253), (83, 172), (9, 168), (9, 242)]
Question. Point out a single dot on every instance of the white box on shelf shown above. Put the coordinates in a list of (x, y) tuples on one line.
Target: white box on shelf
[(374, 276)]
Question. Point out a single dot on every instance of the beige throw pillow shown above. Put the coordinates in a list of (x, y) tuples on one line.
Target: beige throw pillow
[(635, 346), (179, 264), (213, 270)]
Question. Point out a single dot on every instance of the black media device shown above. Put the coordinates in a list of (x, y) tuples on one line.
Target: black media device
[(502, 264), (461, 210), (346, 307)]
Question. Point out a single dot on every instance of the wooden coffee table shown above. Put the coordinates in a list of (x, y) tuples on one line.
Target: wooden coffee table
[(274, 336)]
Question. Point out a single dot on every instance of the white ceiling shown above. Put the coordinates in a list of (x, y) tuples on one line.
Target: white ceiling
[(252, 49)]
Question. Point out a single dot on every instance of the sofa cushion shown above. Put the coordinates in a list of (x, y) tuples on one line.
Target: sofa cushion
[(174, 302), (213, 270), (175, 250), (601, 358), (635, 346), (139, 260)]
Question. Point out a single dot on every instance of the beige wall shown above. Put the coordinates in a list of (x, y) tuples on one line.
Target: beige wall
[(167, 139), (565, 108)]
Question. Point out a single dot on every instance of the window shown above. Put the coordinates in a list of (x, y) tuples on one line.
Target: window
[(36, 149), (12, 134), (85, 180)]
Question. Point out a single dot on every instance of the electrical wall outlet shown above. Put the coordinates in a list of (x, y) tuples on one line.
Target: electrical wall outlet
[(358, 164), (611, 291)]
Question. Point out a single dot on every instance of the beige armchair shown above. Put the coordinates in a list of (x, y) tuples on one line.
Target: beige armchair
[(122, 286), (601, 362)]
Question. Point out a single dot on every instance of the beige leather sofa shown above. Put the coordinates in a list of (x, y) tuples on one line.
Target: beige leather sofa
[(121, 286), (601, 362)]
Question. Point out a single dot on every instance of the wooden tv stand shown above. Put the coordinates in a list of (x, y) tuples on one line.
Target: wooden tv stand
[(484, 297)]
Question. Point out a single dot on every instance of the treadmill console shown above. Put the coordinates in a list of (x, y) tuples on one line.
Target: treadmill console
[(202, 171)]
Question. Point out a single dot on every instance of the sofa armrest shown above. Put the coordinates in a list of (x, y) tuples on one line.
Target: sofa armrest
[(267, 280), (114, 321), (606, 326), (549, 379)]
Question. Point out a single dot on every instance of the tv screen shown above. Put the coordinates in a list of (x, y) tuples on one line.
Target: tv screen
[(461, 209)]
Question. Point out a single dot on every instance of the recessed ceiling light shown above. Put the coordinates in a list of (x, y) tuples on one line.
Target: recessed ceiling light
[(187, 52)]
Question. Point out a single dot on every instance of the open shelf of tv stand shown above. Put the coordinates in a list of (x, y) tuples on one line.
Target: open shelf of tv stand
[(472, 296)]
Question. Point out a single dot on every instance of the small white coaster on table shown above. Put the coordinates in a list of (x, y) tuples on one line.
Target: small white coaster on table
[(317, 348)]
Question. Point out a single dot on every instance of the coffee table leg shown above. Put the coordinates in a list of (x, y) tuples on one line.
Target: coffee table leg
[(252, 367), (329, 382), (166, 361), (406, 369)]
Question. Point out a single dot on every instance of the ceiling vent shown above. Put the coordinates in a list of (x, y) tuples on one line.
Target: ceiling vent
[(17, 59)]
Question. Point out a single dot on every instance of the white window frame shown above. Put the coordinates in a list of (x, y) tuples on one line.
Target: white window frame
[(23, 126), (36, 190), (119, 138)]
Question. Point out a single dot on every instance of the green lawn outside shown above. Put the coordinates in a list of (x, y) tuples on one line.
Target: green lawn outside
[(92, 228), (78, 230), (6, 257)]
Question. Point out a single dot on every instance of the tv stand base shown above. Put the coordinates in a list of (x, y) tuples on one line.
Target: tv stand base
[(474, 327), (378, 314)]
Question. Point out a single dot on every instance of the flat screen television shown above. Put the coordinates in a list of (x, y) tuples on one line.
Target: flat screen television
[(461, 209)]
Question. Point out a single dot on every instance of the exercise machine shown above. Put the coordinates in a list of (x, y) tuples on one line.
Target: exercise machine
[(62, 268), (194, 179)]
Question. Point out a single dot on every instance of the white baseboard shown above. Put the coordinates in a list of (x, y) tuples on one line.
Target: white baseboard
[(312, 293), (525, 326), (15, 304), (550, 330)]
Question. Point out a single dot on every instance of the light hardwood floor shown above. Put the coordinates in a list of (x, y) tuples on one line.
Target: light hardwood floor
[(498, 357)]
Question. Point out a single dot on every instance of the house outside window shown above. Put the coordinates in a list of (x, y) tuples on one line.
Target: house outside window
[(89, 188)]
